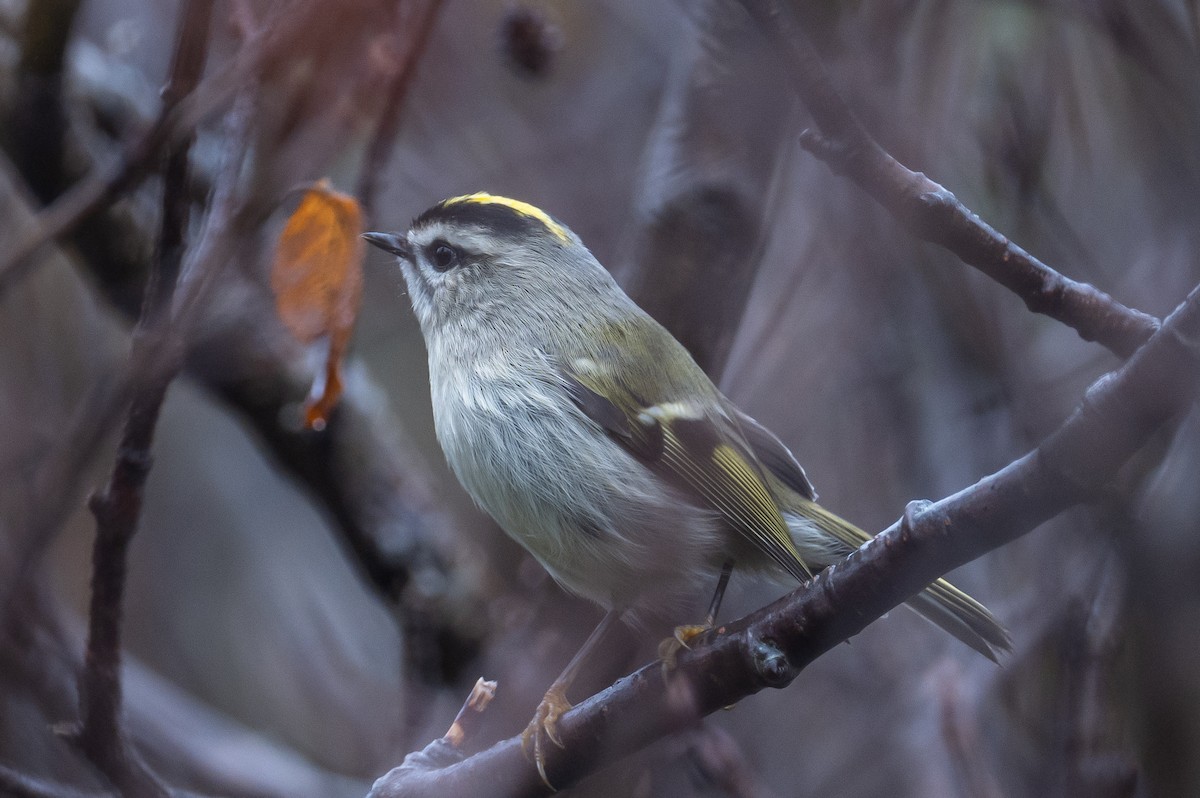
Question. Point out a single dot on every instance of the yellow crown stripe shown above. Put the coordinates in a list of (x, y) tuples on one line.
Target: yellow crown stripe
[(523, 208)]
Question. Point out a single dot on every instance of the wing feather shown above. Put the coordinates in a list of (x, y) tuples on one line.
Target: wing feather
[(774, 455), (702, 453)]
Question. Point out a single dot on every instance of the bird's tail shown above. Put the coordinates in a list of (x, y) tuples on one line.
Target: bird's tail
[(941, 603)]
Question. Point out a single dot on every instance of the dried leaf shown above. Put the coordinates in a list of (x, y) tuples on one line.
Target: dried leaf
[(317, 280)]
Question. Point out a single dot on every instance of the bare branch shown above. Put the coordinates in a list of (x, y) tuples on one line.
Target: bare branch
[(178, 117), (118, 508), (384, 138), (466, 723), (770, 647), (447, 748), (368, 476), (931, 212)]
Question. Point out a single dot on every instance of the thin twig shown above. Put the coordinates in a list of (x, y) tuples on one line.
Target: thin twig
[(931, 212), (770, 647), (370, 479), (445, 750), (466, 723), (102, 186), (379, 150), (117, 512), (154, 363), (186, 70), (118, 508)]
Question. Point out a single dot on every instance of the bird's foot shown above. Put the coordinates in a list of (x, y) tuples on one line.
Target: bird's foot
[(683, 638), (544, 726)]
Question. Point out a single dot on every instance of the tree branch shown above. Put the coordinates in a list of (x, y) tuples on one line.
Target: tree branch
[(175, 731), (178, 117), (118, 508), (931, 212), (362, 470), (384, 139), (770, 647)]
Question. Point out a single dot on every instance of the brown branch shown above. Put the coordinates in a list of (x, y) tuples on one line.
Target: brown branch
[(379, 149), (117, 511), (368, 477), (187, 66), (118, 508), (80, 202), (931, 212), (770, 647), (157, 358), (101, 186)]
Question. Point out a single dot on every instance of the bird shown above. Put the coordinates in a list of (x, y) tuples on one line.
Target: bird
[(593, 438)]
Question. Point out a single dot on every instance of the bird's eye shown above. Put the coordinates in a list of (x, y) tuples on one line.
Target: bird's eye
[(445, 257)]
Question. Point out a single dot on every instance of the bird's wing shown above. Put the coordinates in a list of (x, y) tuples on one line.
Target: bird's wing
[(704, 454), (773, 454)]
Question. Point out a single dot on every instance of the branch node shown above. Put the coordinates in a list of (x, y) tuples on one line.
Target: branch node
[(100, 505), (936, 199), (912, 516), (1097, 391), (833, 152), (933, 210), (1188, 339), (770, 663), (1051, 300), (136, 460)]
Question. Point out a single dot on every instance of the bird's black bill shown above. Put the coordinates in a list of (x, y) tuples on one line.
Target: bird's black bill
[(390, 242)]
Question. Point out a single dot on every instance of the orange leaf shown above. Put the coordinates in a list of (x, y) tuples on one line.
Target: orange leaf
[(317, 279)]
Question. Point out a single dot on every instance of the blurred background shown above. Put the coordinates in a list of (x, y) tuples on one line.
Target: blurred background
[(304, 609)]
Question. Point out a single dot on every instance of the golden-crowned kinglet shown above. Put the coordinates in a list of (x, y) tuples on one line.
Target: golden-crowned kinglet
[(589, 433)]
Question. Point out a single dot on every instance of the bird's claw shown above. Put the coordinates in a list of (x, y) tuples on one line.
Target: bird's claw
[(683, 637), (544, 726)]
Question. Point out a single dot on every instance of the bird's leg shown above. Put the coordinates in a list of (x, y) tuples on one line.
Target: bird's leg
[(684, 635), (545, 721)]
